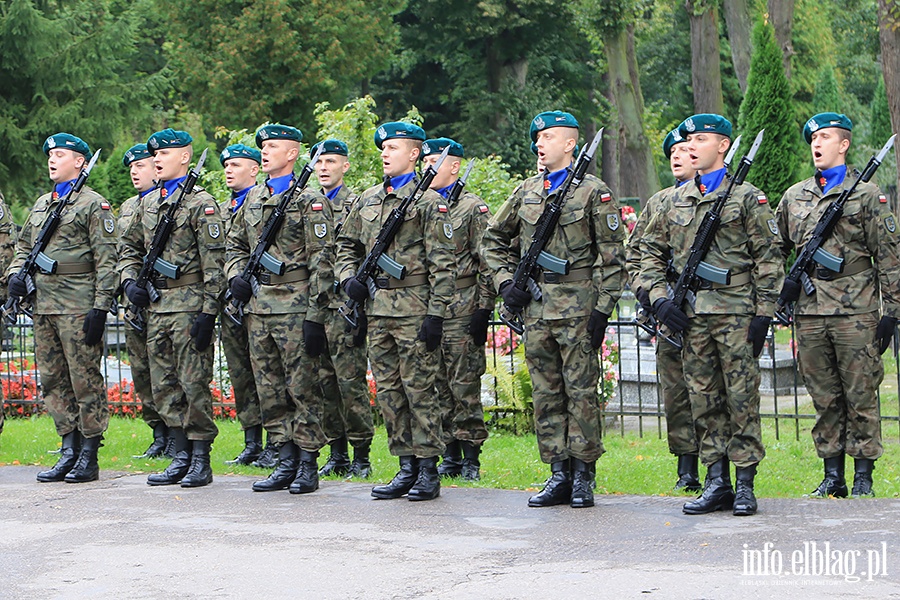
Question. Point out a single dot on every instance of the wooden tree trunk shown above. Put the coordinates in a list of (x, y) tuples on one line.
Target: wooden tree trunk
[(889, 33), (781, 14), (737, 19), (706, 76)]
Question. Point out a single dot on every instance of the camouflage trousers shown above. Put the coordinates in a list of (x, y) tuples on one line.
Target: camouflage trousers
[(180, 375), (236, 346), (290, 397), (404, 374), (458, 383), (565, 373), (676, 401), (723, 381), (73, 387), (136, 343), (346, 409), (842, 370)]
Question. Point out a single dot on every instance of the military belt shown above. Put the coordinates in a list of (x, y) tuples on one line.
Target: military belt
[(856, 267), (78, 268), (582, 274), (737, 279), (164, 283), (301, 274), (389, 283), (465, 282)]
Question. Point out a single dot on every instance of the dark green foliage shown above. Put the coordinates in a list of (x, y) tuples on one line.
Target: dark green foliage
[(827, 97)]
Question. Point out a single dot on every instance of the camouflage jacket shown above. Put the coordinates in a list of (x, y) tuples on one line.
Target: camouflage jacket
[(424, 245), (590, 235), (470, 216), (303, 243), (341, 206), (8, 238), (196, 246), (633, 245), (865, 237), (746, 243)]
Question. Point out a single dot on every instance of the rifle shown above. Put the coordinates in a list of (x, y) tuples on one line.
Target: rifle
[(536, 257), (456, 192), (813, 252), (696, 269), (36, 258), (376, 258), (153, 262), (260, 257)]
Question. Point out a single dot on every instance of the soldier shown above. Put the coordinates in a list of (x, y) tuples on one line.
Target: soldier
[(70, 308), (180, 325), (241, 165), (347, 413), (7, 251), (725, 330), (563, 331), (465, 328), (140, 165), (839, 334), (405, 315), (285, 364), (676, 401)]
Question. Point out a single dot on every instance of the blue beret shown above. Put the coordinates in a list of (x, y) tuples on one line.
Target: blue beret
[(706, 123), (168, 138), (672, 138), (823, 120), (240, 151), (398, 129), (278, 132), (437, 145), (552, 118), (67, 141), (135, 153), (331, 147)]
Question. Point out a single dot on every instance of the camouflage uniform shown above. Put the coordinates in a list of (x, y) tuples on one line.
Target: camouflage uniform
[(179, 373), (84, 246), (564, 368), (7, 251), (676, 400), (722, 373), (286, 376), (839, 355), (404, 370)]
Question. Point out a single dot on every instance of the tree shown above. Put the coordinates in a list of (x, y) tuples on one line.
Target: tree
[(781, 14), (739, 23), (705, 62), (889, 33), (827, 97)]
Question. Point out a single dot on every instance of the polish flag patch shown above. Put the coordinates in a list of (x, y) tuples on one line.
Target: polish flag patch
[(762, 199), (483, 208), (442, 208), (104, 205), (605, 197), (317, 206), (210, 210), (882, 199)]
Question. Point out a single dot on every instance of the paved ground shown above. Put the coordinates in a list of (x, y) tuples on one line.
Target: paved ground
[(119, 538)]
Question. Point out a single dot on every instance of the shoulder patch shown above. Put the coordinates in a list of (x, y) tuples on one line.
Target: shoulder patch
[(442, 208), (109, 225), (317, 206), (761, 198), (483, 208), (104, 205), (773, 226), (210, 210), (612, 221), (320, 229), (890, 223), (214, 230), (882, 199), (605, 197), (448, 231)]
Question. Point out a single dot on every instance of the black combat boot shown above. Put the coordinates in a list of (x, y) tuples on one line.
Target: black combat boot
[(361, 466), (717, 493), (451, 463), (179, 466), (688, 474), (402, 481), (471, 466), (157, 447), (170, 451), (86, 467), (582, 483), (557, 489), (338, 462), (200, 472), (307, 479), (284, 473), (68, 455), (744, 500), (428, 483), (252, 447), (862, 479), (268, 458), (834, 483)]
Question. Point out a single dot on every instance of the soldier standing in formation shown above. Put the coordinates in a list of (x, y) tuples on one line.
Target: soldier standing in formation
[(839, 334), (70, 307), (180, 325), (7, 252), (564, 331)]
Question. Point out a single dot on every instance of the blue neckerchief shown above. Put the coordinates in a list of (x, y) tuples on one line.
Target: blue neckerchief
[(711, 181), (145, 192), (333, 193), (61, 189), (172, 186), (445, 191), (679, 183), (556, 179), (279, 185), (832, 177), (237, 198), (400, 180)]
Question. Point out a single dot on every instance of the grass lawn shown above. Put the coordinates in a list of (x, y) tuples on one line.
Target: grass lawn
[(631, 465)]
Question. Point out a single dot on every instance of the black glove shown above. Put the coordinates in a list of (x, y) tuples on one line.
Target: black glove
[(885, 332), (241, 289), (355, 289), (314, 338), (597, 328), (790, 291), (362, 328), (17, 287), (514, 298), (643, 298), (202, 331), (478, 326), (670, 315), (137, 295), (431, 331), (759, 329), (94, 322)]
